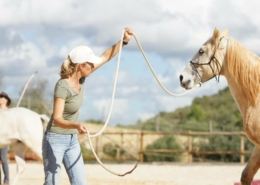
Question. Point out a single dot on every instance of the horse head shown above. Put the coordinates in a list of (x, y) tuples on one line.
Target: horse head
[(207, 62)]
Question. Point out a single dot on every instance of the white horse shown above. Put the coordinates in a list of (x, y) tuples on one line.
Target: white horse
[(222, 55), (22, 129)]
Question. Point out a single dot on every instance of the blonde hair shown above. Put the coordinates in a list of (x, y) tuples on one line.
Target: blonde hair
[(67, 68)]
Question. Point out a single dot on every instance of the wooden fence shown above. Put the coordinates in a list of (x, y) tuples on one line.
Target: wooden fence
[(140, 140), (189, 149)]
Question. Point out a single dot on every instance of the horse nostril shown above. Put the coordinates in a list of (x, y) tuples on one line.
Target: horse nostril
[(181, 78)]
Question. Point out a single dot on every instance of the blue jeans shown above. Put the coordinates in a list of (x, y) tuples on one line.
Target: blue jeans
[(4, 159), (62, 148)]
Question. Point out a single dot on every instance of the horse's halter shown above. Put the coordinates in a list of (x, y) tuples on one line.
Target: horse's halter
[(209, 63)]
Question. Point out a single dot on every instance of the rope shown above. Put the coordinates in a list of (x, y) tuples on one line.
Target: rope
[(25, 88), (112, 102), (114, 89), (108, 117), (115, 80), (93, 151), (142, 51)]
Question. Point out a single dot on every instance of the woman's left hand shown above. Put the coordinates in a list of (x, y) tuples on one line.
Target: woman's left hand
[(82, 129), (128, 34)]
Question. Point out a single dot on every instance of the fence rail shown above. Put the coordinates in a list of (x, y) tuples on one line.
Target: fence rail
[(189, 151)]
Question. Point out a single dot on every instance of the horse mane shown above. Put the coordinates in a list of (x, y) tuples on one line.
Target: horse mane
[(244, 66)]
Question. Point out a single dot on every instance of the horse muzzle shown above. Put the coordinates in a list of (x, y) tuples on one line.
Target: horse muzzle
[(185, 83)]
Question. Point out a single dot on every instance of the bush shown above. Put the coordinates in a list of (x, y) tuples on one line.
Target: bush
[(111, 149), (223, 143), (166, 142), (86, 154)]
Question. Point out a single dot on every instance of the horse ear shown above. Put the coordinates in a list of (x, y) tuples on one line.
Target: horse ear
[(225, 33), (216, 34)]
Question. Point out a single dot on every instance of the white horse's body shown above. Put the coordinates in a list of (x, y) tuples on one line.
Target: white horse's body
[(222, 55), (22, 129)]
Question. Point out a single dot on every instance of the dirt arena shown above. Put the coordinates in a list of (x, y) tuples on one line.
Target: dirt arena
[(145, 174)]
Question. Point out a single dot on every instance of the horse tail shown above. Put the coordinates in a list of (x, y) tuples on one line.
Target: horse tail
[(45, 119)]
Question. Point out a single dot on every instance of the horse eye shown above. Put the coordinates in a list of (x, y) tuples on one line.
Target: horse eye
[(201, 51)]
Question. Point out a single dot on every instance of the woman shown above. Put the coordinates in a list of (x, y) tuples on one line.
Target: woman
[(60, 144), (5, 101)]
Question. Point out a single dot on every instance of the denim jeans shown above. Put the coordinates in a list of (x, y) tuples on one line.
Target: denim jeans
[(62, 148), (4, 159)]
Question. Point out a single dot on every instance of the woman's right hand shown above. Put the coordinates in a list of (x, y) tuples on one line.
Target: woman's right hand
[(113, 50), (128, 34)]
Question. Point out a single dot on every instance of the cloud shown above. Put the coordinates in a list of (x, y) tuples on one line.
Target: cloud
[(38, 35)]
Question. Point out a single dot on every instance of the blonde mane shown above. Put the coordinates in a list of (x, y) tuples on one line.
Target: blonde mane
[(244, 66)]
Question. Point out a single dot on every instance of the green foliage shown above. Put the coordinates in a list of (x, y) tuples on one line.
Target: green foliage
[(208, 113), (197, 113), (223, 143), (35, 97), (166, 142), (93, 121), (111, 150), (86, 154)]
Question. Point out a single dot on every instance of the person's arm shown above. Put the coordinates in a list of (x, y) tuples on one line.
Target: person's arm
[(113, 50), (58, 120)]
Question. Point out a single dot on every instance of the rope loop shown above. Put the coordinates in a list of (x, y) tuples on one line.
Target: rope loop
[(115, 80)]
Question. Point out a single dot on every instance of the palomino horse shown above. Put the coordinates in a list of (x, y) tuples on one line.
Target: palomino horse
[(222, 55), (22, 128)]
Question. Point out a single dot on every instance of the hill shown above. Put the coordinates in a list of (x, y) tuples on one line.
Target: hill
[(217, 112)]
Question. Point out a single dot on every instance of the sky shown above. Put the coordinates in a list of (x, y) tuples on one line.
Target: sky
[(38, 35)]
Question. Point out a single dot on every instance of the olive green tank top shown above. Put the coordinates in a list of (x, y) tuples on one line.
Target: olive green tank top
[(73, 102)]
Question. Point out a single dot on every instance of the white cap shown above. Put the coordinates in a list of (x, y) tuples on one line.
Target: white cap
[(81, 54)]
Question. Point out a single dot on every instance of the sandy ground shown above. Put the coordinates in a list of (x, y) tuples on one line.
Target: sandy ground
[(145, 174)]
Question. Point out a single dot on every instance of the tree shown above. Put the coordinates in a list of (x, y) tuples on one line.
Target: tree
[(35, 97), (197, 113)]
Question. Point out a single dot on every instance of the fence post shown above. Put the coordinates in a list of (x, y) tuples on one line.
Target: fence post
[(97, 145), (190, 147), (100, 145), (242, 148), (141, 151), (29, 102), (121, 146), (122, 139), (118, 158)]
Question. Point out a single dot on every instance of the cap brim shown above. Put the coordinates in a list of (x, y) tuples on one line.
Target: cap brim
[(95, 60)]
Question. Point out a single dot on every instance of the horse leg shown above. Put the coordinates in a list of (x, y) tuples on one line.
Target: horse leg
[(37, 149), (251, 167), (19, 150)]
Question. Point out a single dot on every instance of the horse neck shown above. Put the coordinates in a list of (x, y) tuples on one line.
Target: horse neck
[(242, 71), (238, 95)]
